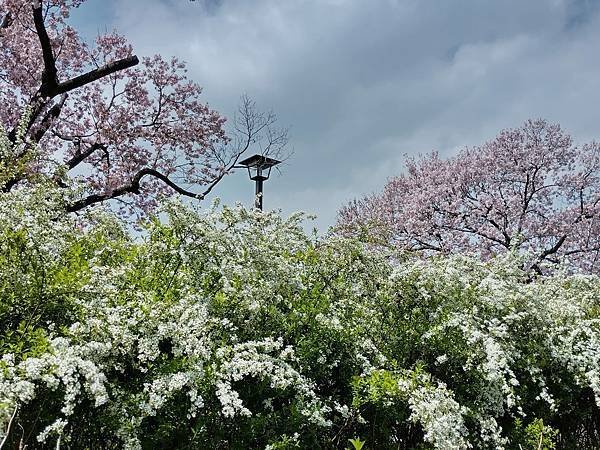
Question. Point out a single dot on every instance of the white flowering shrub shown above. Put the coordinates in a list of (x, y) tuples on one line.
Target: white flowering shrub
[(234, 329), (15, 153)]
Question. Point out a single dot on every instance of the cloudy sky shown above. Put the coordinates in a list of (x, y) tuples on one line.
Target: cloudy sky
[(361, 83)]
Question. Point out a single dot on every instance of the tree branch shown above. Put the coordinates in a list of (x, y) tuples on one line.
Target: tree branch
[(45, 124), (50, 84), (51, 87), (152, 172), (49, 118), (7, 21), (49, 74), (96, 74), (552, 250), (12, 417), (132, 188), (80, 156)]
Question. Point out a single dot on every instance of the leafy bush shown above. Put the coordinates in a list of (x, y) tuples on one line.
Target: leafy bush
[(234, 329)]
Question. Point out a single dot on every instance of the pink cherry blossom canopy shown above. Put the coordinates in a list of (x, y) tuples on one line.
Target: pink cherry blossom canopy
[(96, 115), (531, 189)]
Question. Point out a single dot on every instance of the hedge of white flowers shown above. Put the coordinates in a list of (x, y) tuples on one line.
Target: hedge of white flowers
[(235, 329)]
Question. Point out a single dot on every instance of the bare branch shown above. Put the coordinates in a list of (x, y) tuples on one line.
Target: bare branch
[(254, 127), (132, 188), (554, 248), (254, 122), (12, 417), (250, 127)]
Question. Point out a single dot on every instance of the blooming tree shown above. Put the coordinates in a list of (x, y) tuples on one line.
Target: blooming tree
[(118, 127), (529, 189)]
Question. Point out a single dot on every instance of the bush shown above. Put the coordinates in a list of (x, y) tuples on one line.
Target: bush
[(234, 329)]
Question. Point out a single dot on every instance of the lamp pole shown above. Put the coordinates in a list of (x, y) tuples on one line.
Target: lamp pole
[(259, 170), (258, 196)]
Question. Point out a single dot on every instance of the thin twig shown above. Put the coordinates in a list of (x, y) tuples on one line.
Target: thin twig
[(8, 427)]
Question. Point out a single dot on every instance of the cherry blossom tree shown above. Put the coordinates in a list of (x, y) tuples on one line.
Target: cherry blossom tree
[(530, 190), (99, 118)]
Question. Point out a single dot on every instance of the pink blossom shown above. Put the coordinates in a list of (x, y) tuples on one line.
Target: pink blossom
[(529, 190), (112, 135)]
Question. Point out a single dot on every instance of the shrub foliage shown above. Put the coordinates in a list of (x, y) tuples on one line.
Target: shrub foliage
[(236, 329)]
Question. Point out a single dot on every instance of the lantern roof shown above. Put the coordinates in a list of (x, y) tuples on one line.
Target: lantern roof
[(259, 161)]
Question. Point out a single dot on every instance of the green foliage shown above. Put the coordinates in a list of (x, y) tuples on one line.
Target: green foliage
[(357, 444), (535, 436), (233, 329)]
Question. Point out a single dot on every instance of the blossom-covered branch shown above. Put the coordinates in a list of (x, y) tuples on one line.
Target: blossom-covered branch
[(110, 124)]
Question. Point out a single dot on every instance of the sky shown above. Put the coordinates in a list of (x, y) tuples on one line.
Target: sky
[(363, 83)]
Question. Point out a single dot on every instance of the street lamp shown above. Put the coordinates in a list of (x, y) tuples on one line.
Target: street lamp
[(259, 169)]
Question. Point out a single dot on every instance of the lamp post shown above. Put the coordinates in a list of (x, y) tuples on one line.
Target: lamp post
[(259, 169)]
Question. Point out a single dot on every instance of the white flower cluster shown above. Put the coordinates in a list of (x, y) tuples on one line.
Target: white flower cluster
[(10, 161), (211, 309), (67, 368), (256, 359), (441, 417), (505, 317)]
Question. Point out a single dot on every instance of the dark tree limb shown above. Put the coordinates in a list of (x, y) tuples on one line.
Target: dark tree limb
[(546, 253), (138, 177), (79, 157), (133, 188), (552, 250), (50, 86), (7, 21), (49, 74), (45, 124), (96, 74), (49, 118), (581, 250)]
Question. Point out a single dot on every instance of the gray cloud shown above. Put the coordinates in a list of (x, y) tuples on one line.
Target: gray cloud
[(361, 83)]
